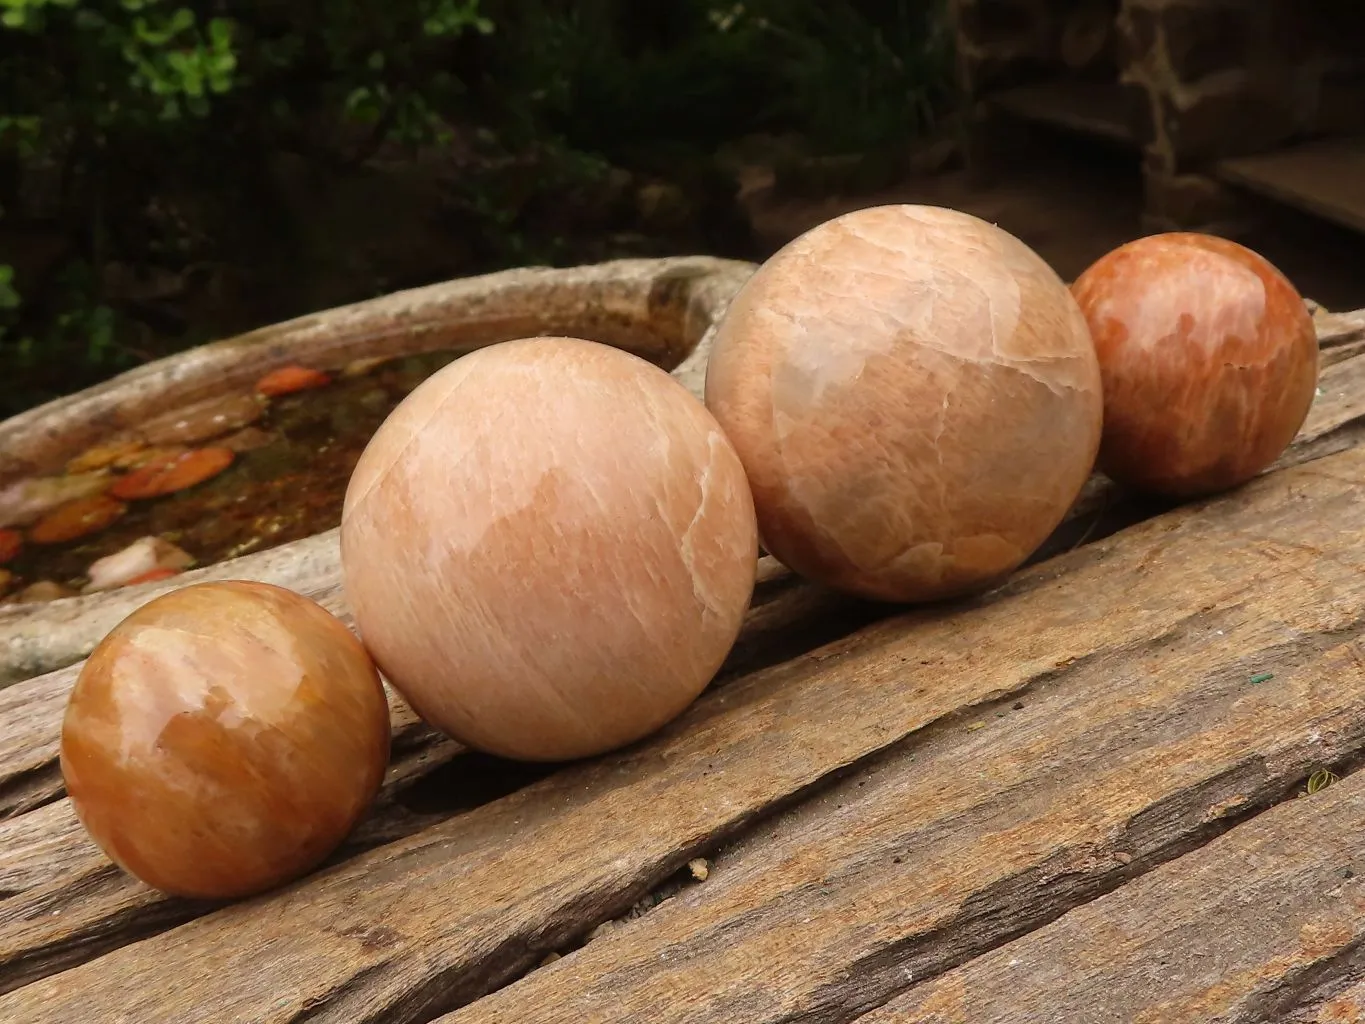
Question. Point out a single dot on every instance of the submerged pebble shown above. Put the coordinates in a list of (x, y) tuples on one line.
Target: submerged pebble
[(144, 556), (26, 501)]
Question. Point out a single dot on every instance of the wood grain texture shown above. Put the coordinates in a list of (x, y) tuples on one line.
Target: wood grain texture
[(1115, 645), (1265, 924), (1222, 664), (1338, 1005), (65, 905)]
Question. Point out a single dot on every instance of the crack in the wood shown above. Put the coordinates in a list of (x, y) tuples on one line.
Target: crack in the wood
[(1306, 987), (451, 988), (133, 922), (28, 790), (1065, 880)]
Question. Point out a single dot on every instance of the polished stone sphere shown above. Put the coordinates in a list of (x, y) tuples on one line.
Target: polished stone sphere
[(914, 395), (1209, 361), (224, 739), (549, 548)]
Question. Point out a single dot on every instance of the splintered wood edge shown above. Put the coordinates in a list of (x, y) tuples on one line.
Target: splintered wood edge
[(1192, 941), (1071, 640)]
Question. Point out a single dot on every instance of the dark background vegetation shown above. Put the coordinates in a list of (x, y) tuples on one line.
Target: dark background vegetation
[(173, 171)]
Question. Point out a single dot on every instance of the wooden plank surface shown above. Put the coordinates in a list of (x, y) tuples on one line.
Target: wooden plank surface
[(74, 904), (66, 906), (1343, 1006), (1224, 666), (1150, 637), (1266, 923), (1325, 178), (30, 712)]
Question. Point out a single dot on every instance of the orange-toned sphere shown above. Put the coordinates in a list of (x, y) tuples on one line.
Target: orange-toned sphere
[(224, 738), (1209, 360), (549, 547), (915, 397)]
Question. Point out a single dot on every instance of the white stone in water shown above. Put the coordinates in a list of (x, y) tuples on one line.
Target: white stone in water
[(142, 556), (25, 501)]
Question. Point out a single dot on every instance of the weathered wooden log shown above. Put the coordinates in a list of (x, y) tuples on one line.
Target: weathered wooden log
[(878, 811), (41, 638), (1191, 942), (659, 309), (984, 768)]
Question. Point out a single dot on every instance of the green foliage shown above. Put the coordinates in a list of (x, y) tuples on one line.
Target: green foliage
[(110, 106), (860, 75), (141, 133)]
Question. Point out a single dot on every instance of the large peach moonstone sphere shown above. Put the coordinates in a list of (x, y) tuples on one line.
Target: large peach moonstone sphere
[(915, 397), (549, 547), (1209, 360), (224, 738)]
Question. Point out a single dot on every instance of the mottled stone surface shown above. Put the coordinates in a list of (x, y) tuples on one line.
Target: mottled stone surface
[(1209, 361), (915, 397), (224, 738), (203, 420), (549, 548)]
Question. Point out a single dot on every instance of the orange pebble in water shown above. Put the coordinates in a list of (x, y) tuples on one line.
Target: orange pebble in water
[(288, 379), (915, 397), (549, 547), (75, 519), (175, 472), (224, 739), (153, 576), (11, 543), (1209, 361)]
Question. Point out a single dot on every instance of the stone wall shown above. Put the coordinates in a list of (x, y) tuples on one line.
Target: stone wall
[(1201, 80), (1013, 42)]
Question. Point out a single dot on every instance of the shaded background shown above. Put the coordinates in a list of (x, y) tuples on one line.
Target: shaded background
[(175, 172)]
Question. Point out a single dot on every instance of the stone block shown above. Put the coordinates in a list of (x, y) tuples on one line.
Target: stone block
[(986, 71), (1137, 36), (1203, 38), (1229, 123), (1141, 113), (1341, 107)]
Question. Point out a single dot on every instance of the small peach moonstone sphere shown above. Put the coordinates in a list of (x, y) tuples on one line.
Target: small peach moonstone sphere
[(915, 397), (1209, 360), (549, 547), (224, 739)]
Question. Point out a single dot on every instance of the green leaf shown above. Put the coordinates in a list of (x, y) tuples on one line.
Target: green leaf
[(9, 296)]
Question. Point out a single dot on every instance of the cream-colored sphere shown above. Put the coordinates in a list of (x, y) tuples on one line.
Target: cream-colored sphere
[(915, 396), (549, 547)]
